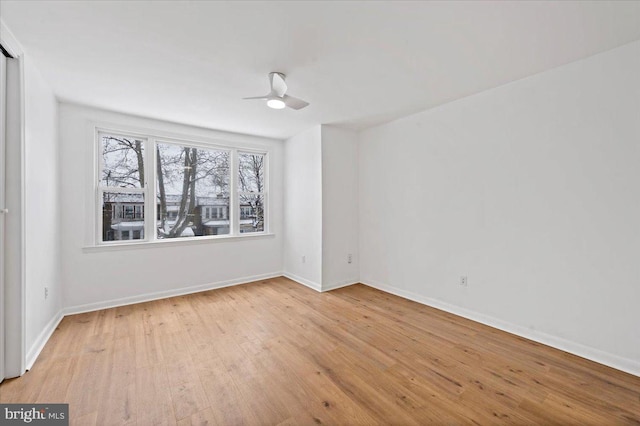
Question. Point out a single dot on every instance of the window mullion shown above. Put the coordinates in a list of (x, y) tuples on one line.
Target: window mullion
[(150, 190), (99, 216), (98, 161), (234, 204), (265, 192)]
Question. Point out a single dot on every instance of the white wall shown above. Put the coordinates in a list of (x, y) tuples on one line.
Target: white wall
[(42, 236), (339, 207), (96, 278), (303, 208), (531, 190)]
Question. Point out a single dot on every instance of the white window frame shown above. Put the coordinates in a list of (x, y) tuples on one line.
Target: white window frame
[(150, 139)]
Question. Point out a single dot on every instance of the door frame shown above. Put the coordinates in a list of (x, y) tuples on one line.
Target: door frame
[(3, 99), (12, 284)]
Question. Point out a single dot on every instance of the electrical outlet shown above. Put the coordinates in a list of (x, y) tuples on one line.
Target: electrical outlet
[(463, 281), (304, 259), (349, 258), (46, 293)]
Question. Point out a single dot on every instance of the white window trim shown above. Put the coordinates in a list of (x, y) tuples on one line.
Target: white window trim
[(175, 242), (151, 137)]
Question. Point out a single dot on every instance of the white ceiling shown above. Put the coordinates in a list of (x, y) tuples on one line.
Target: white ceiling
[(357, 63)]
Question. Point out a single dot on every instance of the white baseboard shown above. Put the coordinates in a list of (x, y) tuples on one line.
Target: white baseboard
[(42, 339), (147, 297), (338, 285), (318, 287), (312, 285), (624, 364)]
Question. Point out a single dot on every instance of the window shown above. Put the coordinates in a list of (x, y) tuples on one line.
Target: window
[(122, 186), (216, 212), (251, 191), (188, 178), (191, 194), (246, 212)]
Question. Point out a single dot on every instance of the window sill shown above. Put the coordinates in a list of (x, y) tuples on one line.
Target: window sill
[(173, 242)]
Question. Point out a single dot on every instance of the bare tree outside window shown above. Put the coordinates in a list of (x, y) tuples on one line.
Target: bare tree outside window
[(190, 180), (123, 162)]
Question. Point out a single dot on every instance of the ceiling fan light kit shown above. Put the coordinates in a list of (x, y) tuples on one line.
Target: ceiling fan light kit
[(277, 97), (275, 103)]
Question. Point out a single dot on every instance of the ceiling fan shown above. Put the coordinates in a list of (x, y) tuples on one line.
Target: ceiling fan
[(277, 97)]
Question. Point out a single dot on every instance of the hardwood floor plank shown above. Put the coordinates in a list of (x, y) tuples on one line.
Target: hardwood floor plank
[(188, 399), (154, 404), (89, 419), (201, 418), (228, 406), (119, 402), (274, 352), (57, 380)]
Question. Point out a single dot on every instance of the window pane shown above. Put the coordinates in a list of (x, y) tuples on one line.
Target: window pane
[(251, 175), (122, 216), (192, 190), (122, 162), (251, 213)]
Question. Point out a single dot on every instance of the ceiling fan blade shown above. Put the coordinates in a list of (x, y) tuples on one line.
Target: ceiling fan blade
[(278, 86), (259, 97), (294, 103)]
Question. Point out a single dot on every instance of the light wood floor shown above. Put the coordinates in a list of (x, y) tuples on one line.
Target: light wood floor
[(275, 352)]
